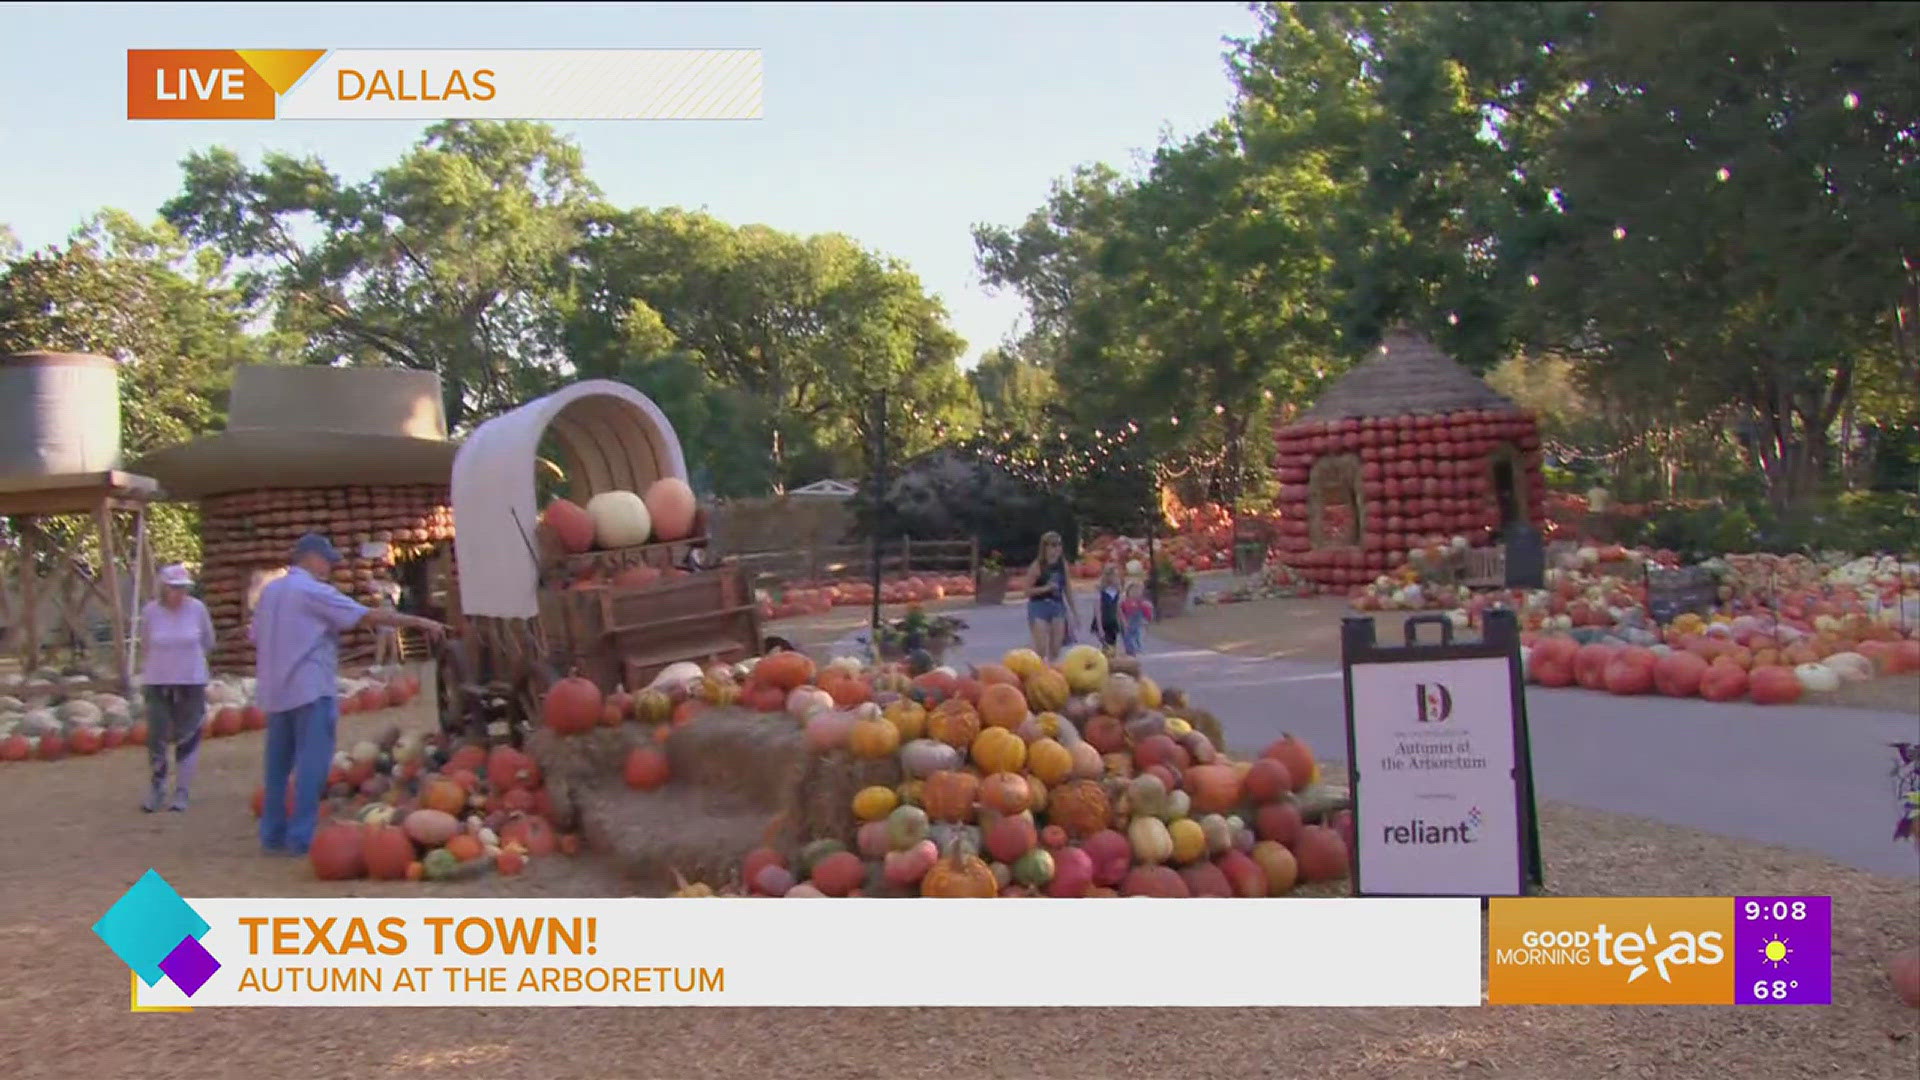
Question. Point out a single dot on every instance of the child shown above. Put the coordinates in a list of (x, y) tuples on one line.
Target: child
[(386, 642), (1136, 611), (1106, 620)]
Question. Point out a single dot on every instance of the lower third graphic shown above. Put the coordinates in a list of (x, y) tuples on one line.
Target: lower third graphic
[(157, 934)]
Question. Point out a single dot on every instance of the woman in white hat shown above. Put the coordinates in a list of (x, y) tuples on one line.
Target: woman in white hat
[(176, 635)]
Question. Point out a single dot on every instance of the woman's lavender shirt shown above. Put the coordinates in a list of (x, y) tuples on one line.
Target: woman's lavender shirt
[(177, 642)]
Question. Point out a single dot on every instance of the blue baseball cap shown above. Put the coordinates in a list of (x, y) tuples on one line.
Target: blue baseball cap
[(315, 544)]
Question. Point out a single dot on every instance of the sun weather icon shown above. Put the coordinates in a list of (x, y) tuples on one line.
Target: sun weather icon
[(1774, 951)]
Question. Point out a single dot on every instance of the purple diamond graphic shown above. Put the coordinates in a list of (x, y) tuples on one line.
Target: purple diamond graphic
[(190, 965)]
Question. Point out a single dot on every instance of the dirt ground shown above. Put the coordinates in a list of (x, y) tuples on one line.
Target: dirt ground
[(1309, 629), (78, 841)]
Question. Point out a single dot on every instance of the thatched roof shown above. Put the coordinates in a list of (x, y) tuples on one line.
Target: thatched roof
[(1405, 375)]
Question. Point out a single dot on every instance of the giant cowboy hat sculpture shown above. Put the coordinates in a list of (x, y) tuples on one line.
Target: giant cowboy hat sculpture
[(298, 426)]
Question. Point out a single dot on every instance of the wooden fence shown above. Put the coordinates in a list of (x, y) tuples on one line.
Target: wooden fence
[(898, 558)]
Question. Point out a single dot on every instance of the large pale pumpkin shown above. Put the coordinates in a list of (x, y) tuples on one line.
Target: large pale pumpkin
[(671, 505), (620, 519)]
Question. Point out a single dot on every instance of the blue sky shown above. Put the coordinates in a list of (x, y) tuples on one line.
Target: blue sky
[(898, 124)]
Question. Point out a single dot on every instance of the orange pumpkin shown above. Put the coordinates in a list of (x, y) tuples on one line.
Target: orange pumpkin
[(847, 690), (999, 750), (464, 847), (1080, 807), (955, 723), (787, 670), (572, 706), (509, 863), (531, 833), (960, 875), (1292, 751), (337, 852), (444, 795), (1049, 761), (1005, 793), (995, 675), (617, 708), (949, 795), (570, 524), (509, 770), (1214, 789), (873, 737), (1003, 705), (388, 852), (646, 768)]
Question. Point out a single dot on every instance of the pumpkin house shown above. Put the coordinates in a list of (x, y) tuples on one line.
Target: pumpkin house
[(1407, 450), (359, 455)]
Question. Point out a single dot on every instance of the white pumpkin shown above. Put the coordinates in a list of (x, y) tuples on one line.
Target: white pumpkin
[(1817, 678), (807, 700), (365, 753), (675, 676), (620, 519), (80, 713), (37, 722), (1850, 666)]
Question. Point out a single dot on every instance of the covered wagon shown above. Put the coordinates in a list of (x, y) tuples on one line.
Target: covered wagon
[(530, 610)]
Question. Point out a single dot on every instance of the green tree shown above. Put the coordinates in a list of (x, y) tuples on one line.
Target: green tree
[(443, 262), (1013, 391), (171, 317), (806, 330), (1741, 192)]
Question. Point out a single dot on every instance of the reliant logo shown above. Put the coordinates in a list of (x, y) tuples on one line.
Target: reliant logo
[(1425, 833), (1433, 702), (1555, 951)]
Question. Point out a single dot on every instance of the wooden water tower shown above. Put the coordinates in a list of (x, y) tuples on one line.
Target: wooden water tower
[(60, 460)]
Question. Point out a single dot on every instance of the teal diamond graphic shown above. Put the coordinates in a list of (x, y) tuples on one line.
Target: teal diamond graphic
[(147, 924)]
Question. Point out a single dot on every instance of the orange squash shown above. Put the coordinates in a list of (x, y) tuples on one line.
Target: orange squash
[(1081, 807), (1293, 752), (464, 847), (873, 737), (646, 768), (1214, 789), (337, 852)]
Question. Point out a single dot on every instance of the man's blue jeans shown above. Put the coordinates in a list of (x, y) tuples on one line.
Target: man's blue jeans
[(300, 745)]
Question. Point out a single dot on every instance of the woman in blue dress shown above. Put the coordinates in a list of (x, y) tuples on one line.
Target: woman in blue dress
[(1050, 608)]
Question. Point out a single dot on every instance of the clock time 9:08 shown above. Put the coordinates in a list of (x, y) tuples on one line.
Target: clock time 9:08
[(1778, 911)]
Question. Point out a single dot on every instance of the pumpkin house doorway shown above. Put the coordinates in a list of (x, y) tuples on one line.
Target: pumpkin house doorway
[(1505, 468)]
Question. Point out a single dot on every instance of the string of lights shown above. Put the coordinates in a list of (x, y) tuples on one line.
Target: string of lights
[(1568, 453)]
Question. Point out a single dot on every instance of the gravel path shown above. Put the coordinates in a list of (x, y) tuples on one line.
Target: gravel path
[(78, 842)]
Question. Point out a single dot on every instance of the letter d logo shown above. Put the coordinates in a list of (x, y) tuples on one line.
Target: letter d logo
[(1432, 703)]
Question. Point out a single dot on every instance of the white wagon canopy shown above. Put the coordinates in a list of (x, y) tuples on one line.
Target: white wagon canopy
[(611, 438)]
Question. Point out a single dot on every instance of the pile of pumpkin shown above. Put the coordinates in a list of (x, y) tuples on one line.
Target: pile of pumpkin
[(819, 597), (1023, 779), (1726, 660), (417, 807), (612, 520)]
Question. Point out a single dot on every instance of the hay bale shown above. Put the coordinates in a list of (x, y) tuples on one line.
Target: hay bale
[(751, 757), (648, 835), (821, 797)]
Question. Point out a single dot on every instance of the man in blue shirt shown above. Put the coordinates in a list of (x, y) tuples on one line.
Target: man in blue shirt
[(296, 628)]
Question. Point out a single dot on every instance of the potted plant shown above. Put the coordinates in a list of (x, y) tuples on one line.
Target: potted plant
[(990, 588), (1175, 588), (919, 631)]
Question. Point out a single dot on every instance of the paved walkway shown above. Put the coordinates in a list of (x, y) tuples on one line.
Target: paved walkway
[(1801, 776)]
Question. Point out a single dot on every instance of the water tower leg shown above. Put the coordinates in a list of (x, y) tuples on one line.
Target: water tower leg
[(29, 597), (116, 605)]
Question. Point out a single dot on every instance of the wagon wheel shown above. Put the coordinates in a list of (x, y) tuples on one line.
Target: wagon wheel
[(462, 709), (530, 689)]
